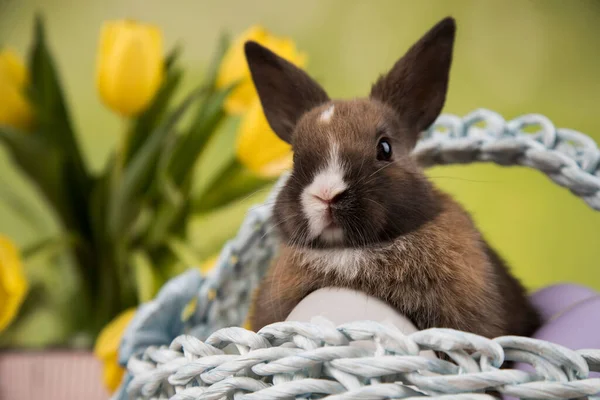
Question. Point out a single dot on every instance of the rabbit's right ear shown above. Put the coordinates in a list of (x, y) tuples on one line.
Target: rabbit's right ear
[(416, 85), (285, 91)]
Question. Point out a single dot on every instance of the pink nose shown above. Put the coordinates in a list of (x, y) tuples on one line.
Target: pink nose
[(329, 197)]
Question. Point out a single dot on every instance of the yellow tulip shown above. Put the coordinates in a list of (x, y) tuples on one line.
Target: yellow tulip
[(130, 65), (13, 285), (107, 348), (235, 69), (258, 147), (209, 264), (15, 109)]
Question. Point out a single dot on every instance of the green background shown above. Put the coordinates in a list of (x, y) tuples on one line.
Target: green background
[(513, 57)]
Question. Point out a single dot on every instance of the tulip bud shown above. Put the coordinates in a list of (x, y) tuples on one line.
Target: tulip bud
[(13, 285), (15, 110), (130, 66), (258, 148), (106, 348), (234, 67)]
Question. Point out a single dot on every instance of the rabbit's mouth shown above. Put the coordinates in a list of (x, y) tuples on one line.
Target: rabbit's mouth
[(332, 234), (323, 224)]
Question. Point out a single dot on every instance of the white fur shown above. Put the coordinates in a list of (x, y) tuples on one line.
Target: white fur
[(347, 262), (326, 184), (327, 114)]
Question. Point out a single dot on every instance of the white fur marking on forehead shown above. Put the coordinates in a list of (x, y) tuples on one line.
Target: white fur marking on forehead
[(327, 114), (326, 184)]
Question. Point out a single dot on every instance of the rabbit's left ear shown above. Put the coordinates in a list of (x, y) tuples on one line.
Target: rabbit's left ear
[(416, 85), (285, 91)]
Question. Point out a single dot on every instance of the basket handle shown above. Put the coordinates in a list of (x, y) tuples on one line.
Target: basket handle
[(570, 158)]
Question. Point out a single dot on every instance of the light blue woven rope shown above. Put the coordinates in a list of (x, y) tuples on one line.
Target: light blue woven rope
[(290, 359), (569, 158)]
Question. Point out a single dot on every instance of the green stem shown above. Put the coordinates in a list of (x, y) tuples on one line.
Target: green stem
[(121, 152), (112, 270)]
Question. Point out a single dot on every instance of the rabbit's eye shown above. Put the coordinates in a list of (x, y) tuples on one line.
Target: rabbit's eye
[(384, 150)]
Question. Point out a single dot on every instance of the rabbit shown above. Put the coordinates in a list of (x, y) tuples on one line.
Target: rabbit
[(358, 212)]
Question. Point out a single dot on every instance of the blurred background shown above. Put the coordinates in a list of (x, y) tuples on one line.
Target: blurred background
[(511, 56)]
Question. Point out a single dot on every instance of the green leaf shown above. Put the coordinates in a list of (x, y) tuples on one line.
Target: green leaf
[(235, 183), (209, 116), (216, 158), (215, 64), (138, 175), (20, 206), (173, 56), (44, 165), (53, 122), (183, 252), (142, 223), (50, 247), (147, 121), (168, 201), (39, 328), (99, 198), (208, 232), (46, 92), (147, 280), (172, 203)]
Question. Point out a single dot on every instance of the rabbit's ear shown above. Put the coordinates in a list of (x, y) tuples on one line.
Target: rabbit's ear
[(416, 85), (286, 92)]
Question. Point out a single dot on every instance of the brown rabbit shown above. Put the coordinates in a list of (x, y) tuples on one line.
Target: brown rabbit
[(358, 212)]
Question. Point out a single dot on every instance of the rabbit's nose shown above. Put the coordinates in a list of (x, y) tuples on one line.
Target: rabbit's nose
[(328, 197)]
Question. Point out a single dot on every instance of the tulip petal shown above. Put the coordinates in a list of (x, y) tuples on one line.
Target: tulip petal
[(209, 264), (112, 374), (234, 67), (107, 344), (130, 66), (13, 285), (108, 37), (258, 147), (107, 349), (13, 69), (15, 110)]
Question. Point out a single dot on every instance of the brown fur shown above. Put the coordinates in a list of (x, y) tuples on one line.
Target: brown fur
[(404, 241), (443, 276)]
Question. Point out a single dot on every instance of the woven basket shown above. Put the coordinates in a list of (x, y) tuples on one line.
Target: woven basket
[(183, 344)]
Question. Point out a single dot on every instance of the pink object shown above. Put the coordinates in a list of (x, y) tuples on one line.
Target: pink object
[(60, 375)]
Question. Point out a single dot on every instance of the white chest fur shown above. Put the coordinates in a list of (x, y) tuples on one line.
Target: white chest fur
[(348, 263)]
